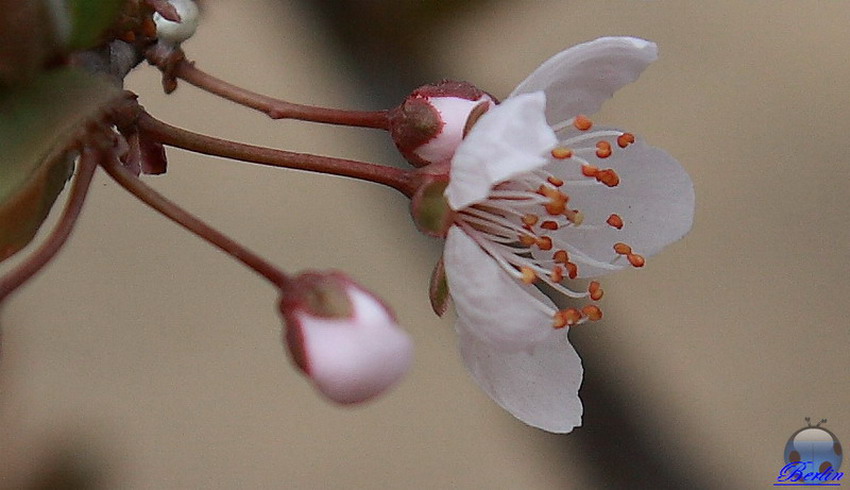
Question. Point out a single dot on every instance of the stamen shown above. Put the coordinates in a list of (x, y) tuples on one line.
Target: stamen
[(571, 142), (528, 275), (574, 216), (625, 140), (557, 274), (636, 260), (549, 225), (556, 207), (530, 219), (561, 257), (544, 243), (527, 240), (616, 221), (566, 318), (592, 312), (582, 122), (589, 170), (555, 181), (608, 177), (595, 291), (572, 270), (561, 153), (517, 197), (603, 149), (622, 249)]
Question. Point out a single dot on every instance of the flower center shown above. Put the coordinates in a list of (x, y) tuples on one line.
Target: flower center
[(525, 224)]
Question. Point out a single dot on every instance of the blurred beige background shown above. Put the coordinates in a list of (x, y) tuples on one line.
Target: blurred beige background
[(155, 361)]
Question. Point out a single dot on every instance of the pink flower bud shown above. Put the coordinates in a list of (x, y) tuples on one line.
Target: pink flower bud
[(174, 33), (343, 337), (432, 121)]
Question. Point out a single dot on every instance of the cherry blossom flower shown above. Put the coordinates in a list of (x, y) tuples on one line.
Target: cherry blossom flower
[(539, 198), (343, 338)]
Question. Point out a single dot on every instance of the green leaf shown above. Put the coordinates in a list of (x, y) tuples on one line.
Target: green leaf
[(89, 19), (38, 122)]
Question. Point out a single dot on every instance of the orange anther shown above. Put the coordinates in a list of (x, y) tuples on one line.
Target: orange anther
[(557, 274), (556, 207), (558, 321), (545, 190), (530, 219), (615, 221), (562, 153), (595, 291), (561, 257), (592, 312), (568, 317), (625, 140), (574, 216), (528, 275), (572, 270), (549, 225), (636, 260), (589, 170), (603, 149), (622, 249), (608, 177), (544, 243), (527, 240), (582, 122), (555, 181)]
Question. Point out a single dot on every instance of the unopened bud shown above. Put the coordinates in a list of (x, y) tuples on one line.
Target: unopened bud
[(343, 338), (430, 124), (174, 33)]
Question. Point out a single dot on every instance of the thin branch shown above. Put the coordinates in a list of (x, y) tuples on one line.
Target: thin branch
[(51, 246), (187, 220), (399, 179), (174, 65)]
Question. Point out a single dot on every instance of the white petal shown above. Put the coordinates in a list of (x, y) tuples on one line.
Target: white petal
[(579, 79), (351, 360), (655, 199), (491, 305), (510, 139), (538, 386)]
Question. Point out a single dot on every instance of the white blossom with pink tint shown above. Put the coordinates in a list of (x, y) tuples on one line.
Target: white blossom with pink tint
[(541, 196), (344, 338)]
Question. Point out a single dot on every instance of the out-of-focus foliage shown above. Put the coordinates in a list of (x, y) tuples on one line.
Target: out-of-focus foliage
[(27, 39), (38, 122), (89, 19)]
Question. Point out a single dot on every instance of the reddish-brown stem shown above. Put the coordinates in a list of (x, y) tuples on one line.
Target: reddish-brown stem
[(189, 221), (48, 249), (401, 180), (274, 108)]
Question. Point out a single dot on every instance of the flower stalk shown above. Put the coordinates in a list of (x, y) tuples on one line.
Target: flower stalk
[(399, 179), (175, 66), (167, 208)]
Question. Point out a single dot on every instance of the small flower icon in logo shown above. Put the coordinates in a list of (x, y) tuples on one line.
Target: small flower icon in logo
[(815, 445)]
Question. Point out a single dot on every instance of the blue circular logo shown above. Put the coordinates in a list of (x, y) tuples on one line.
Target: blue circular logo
[(815, 447)]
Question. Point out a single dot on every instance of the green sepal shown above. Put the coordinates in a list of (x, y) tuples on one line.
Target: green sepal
[(438, 290), (430, 210)]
